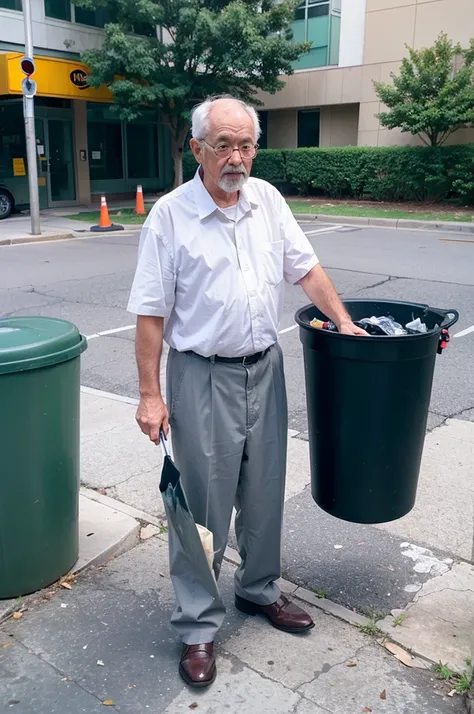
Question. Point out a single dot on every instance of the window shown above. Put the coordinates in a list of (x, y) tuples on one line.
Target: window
[(95, 18), (11, 4), (65, 10), (308, 128), (142, 150), (312, 22), (105, 150), (312, 8), (59, 9), (12, 137)]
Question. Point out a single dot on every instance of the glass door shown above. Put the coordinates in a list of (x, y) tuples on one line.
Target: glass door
[(60, 153)]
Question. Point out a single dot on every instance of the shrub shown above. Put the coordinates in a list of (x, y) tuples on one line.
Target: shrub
[(388, 173)]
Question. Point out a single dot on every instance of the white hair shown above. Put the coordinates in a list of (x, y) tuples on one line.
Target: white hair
[(200, 116)]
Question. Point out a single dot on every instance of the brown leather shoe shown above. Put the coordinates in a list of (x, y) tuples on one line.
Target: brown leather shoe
[(198, 666), (282, 614)]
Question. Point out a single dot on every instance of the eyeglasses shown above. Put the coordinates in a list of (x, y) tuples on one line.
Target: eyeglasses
[(224, 151)]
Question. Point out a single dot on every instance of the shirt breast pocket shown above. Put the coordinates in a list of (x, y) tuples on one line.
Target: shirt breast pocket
[(272, 261)]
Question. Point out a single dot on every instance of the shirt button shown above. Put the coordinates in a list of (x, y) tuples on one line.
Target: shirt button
[(245, 267), (253, 293)]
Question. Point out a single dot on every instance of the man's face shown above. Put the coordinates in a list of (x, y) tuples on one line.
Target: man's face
[(230, 127)]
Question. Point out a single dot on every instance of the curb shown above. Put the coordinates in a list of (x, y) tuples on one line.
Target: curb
[(449, 226), (62, 236), (125, 542), (36, 239)]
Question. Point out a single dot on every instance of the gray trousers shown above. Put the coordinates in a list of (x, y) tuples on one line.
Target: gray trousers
[(229, 427)]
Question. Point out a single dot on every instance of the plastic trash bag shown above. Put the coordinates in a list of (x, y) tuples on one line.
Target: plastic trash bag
[(384, 325), (416, 326)]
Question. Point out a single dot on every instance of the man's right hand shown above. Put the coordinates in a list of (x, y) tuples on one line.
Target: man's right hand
[(152, 414)]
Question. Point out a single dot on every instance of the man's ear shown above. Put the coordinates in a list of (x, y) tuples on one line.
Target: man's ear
[(196, 148)]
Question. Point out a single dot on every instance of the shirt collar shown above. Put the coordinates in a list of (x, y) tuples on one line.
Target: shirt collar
[(206, 205)]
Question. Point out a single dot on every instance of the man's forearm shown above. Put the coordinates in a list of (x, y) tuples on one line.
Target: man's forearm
[(148, 349), (320, 290)]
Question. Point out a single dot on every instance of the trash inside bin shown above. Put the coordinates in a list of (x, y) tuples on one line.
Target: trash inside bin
[(367, 402), (39, 448)]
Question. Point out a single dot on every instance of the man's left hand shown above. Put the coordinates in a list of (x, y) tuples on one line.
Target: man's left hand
[(348, 328)]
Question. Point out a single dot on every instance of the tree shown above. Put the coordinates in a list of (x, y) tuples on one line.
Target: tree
[(433, 96), (188, 50)]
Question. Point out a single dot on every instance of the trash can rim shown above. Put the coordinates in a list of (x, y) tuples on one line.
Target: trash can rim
[(383, 338), (32, 342)]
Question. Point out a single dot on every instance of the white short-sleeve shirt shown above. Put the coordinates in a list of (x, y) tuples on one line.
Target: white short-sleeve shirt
[(217, 275)]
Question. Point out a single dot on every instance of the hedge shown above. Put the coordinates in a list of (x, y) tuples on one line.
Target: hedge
[(398, 173), (268, 165)]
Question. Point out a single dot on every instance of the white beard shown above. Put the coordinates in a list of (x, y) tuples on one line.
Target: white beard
[(229, 183)]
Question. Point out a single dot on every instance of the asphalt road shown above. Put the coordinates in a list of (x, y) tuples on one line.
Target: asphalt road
[(87, 281)]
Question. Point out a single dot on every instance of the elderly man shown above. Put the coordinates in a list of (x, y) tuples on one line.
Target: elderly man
[(213, 258)]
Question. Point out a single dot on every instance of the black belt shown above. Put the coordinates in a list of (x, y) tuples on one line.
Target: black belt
[(250, 359)]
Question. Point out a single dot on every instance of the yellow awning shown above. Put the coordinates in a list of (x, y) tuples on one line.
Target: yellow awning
[(55, 77)]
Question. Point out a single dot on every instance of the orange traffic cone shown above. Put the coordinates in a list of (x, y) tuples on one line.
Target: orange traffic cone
[(104, 220), (139, 203)]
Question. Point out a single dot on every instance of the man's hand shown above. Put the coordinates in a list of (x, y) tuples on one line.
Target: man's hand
[(347, 327), (152, 415)]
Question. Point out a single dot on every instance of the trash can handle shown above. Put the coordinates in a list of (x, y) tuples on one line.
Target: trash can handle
[(451, 317)]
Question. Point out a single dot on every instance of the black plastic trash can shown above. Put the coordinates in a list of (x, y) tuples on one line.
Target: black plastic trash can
[(367, 401)]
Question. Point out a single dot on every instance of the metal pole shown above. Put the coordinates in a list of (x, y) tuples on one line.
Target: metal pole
[(29, 115)]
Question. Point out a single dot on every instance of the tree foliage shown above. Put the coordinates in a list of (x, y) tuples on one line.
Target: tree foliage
[(188, 50), (433, 95)]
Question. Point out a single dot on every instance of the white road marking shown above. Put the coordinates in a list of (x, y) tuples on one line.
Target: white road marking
[(288, 329), (110, 332), (132, 327), (467, 331), (331, 229)]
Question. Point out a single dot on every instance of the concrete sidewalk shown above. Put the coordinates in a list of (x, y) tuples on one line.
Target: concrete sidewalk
[(109, 638), (17, 229)]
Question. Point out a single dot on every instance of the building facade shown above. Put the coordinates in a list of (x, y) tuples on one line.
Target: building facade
[(83, 149), (330, 99)]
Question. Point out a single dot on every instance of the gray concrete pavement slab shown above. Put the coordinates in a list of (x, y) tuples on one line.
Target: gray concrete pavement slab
[(103, 532), (261, 649), (118, 616), (117, 457), (439, 623), (238, 690), (29, 685), (378, 684), (355, 565), (113, 641)]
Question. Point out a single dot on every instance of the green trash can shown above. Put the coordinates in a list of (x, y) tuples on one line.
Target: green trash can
[(39, 451), (367, 401)]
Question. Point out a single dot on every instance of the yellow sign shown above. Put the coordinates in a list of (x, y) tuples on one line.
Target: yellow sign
[(19, 167), (55, 77)]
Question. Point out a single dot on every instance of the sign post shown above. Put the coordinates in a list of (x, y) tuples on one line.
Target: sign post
[(28, 87)]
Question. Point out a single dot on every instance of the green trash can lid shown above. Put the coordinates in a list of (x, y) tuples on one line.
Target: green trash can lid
[(34, 342)]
